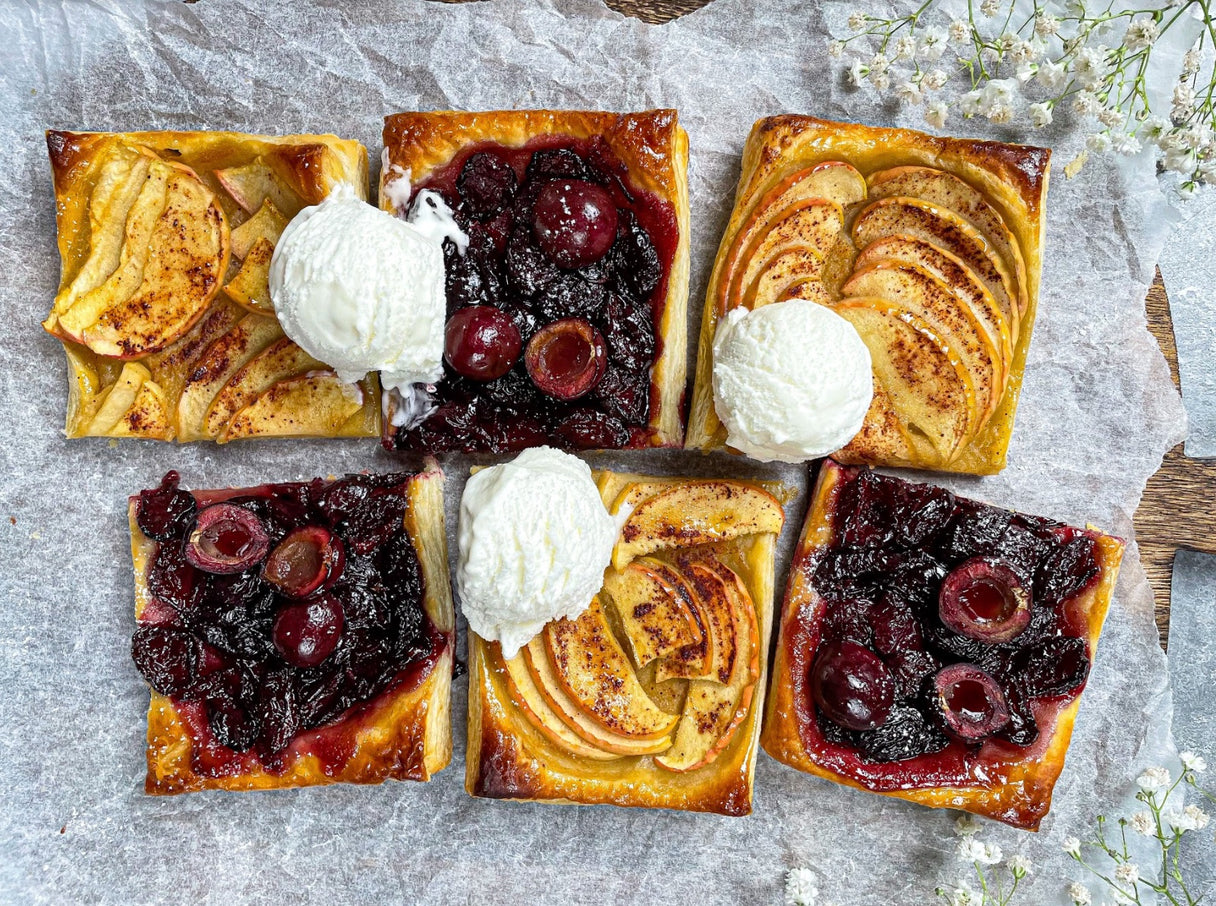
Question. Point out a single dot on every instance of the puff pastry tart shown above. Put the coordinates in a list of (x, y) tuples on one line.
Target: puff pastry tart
[(294, 634), (163, 305), (931, 247), (935, 648), (652, 697), (566, 309)]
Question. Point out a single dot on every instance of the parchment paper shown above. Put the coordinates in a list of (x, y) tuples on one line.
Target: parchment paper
[(1097, 412)]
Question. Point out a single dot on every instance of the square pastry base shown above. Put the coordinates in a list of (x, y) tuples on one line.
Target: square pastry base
[(512, 749)]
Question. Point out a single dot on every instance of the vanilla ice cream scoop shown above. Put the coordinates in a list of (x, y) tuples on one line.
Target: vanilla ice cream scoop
[(362, 291), (792, 380), (535, 539)]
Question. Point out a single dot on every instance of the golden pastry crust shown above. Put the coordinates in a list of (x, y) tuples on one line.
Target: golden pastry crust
[(1018, 788), (510, 758), (1011, 178), (300, 170), (402, 734), (653, 147)]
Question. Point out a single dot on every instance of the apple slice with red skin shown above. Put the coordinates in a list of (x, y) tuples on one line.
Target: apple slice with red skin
[(268, 223), (656, 617), (251, 184), (816, 224), (280, 360), (794, 265), (314, 404)]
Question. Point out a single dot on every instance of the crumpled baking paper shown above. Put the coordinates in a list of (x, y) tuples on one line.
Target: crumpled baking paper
[(1097, 412)]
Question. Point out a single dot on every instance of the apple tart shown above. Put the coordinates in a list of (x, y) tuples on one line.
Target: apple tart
[(294, 634), (930, 247), (935, 648), (652, 697), (566, 308), (164, 306)]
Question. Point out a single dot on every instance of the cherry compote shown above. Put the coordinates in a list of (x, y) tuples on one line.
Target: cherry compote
[(558, 234), (323, 614)]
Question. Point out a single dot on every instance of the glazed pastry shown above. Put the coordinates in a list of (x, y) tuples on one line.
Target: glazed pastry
[(652, 696), (164, 307), (930, 247), (935, 648), (294, 634), (565, 329)]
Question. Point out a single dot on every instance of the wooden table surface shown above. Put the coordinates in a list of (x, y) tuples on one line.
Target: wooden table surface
[(1176, 509)]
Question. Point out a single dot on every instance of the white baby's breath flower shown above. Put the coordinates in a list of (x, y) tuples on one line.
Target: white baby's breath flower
[(1127, 873), (857, 21), (1141, 33), (1110, 117), (1020, 866), (1191, 61), (965, 825), (970, 850), (1006, 42), (932, 44), (1155, 778), (1052, 75), (1207, 172), (959, 31), (963, 895), (1126, 145), (1098, 143), (1154, 127), (801, 888), (1089, 67), (857, 73), (1072, 846), (1086, 103), (1192, 818), (972, 103), (835, 49), (1040, 115), (1193, 762), (1142, 823), (1046, 25), (909, 93), (881, 81), (935, 114), (879, 62), (992, 854), (1182, 101), (990, 7), (933, 80), (1022, 52), (1000, 113), (1179, 159), (1080, 894), (1025, 72), (905, 48)]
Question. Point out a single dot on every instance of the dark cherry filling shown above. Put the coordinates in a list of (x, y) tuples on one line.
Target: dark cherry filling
[(945, 636), (280, 653), (556, 233)]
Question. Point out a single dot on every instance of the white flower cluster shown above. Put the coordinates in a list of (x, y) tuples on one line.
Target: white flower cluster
[(801, 887), (981, 856)]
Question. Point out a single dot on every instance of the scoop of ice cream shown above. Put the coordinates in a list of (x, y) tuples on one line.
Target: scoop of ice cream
[(362, 291), (534, 539), (792, 381)]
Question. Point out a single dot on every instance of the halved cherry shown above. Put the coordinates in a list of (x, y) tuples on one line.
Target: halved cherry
[(307, 632), (852, 686), (307, 559), (970, 703), (566, 359), (984, 599), (226, 539)]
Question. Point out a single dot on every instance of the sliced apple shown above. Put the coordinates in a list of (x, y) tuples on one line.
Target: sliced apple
[(316, 404), (796, 265), (833, 181), (595, 672), (280, 360), (633, 494), (216, 367), (811, 290), (953, 273), (710, 597), (697, 512), (883, 437), (148, 415), (114, 403), (656, 617), (251, 184), (946, 230), (250, 288), (928, 388), (814, 224), (713, 712), (916, 290), (527, 697), (695, 659), (591, 731), (268, 223), (949, 191)]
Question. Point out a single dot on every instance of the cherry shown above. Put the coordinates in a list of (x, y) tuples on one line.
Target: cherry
[(852, 686), (487, 184), (165, 511), (167, 657), (970, 703), (567, 358), (574, 222), (226, 539), (984, 599), (481, 342), (308, 558), (306, 632)]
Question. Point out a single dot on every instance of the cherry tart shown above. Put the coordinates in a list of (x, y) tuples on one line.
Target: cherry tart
[(930, 247), (164, 305), (566, 310), (652, 697), (294, 634), (935, 648)]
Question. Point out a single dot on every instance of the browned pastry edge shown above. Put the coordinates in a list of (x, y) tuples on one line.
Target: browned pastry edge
[(1013, 177), (404, 735), (653, 147), (1024, 798)]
